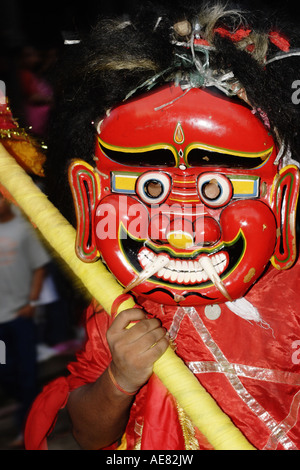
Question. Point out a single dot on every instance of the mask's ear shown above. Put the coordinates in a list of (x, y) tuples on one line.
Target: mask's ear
[(284, 198), (85, 186)]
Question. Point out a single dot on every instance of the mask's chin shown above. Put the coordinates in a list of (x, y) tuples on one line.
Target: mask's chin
[(170, 276)]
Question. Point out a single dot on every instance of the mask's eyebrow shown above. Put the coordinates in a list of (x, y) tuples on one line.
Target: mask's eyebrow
[(161, 155), (198, 154)]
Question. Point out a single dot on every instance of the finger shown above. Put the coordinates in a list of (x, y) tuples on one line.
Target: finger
[(149, 339), (142, 329), (124, 318), (156, 350)]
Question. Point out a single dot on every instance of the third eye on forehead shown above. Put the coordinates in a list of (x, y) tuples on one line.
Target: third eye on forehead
[(196, 157)]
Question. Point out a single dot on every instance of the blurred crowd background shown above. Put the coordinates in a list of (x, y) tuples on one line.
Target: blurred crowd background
[(32, 36)]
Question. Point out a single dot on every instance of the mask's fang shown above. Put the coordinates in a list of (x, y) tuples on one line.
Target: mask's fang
[(209, 269), (152, 268)]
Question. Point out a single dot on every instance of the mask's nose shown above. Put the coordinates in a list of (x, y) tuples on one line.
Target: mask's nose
[(184, 234), (182, 238)]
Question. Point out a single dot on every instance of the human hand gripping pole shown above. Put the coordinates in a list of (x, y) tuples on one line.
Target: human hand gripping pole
[(201, 408)]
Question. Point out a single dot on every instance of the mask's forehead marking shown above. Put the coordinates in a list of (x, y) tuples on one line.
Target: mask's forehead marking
[(178, 134)]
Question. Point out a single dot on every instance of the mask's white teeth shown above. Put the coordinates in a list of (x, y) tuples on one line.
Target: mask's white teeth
[(209, 269), (153, 267)]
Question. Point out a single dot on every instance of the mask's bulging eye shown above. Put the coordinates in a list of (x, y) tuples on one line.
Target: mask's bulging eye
[(153, 187), (214, 190)]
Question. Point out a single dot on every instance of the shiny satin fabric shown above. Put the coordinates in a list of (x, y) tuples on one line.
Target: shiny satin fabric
[(251, 369)]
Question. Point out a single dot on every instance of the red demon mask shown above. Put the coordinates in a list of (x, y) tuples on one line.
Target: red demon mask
[(186, 204)]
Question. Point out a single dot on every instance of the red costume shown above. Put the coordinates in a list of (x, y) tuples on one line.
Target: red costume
[(251, 369)]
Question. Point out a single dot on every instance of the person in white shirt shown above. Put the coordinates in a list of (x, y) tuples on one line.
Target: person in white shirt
[(23, 261)]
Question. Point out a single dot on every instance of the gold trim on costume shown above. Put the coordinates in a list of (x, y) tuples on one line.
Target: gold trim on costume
[(188, 430)]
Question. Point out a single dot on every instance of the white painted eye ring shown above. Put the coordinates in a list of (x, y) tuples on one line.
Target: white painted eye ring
[(153, 187), (215, 190)]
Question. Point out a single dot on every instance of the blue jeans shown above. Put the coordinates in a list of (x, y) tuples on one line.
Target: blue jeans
[(18, 376)]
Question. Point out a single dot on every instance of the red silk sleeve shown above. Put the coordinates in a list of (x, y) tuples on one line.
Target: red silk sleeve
[(90, 363)]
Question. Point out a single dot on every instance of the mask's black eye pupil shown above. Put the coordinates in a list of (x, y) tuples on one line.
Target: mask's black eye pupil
[(153, 188), (211, 190)]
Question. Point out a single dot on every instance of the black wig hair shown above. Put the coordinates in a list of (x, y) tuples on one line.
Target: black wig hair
[(121, 54)]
